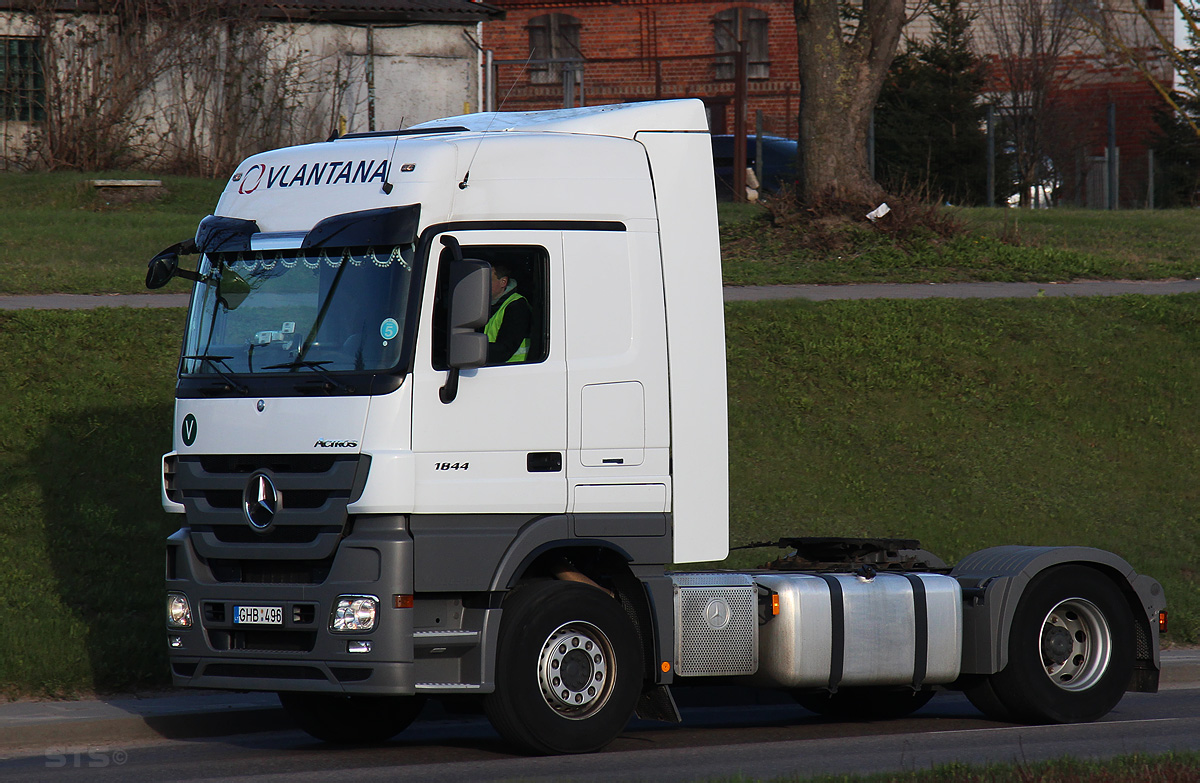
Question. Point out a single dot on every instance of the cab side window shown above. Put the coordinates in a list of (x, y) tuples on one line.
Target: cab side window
[(519, 322)]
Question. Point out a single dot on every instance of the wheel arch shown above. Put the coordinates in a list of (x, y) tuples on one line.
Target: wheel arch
[(995, 579), (605, 563)]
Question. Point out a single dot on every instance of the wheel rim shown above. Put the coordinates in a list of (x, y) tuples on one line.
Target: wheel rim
[(576, 670), (1076, 644)]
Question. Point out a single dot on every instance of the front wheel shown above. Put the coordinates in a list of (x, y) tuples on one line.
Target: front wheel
[(351, 720), (1070, 651), (568, 669)]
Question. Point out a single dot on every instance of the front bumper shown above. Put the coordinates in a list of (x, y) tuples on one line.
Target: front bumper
[(302, 654)]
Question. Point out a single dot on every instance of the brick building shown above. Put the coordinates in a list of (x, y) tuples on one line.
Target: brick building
[(554, 53), (551, 54)]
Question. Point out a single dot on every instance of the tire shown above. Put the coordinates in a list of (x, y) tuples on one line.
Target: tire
[(864, 703), (568, 669), (1070, 651), (980, 692), (351, 720)]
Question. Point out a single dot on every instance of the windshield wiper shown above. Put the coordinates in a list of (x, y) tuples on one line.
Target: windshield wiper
[(212, 361), (317, 367)]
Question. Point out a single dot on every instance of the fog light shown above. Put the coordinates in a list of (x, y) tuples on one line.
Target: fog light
[(354, 614), (363, 646), (179, 612), (175, 642)]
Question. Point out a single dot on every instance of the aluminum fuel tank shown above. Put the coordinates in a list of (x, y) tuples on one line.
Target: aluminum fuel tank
[(845, 630)]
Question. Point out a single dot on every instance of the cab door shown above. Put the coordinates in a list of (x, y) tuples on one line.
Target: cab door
[(498, 446)]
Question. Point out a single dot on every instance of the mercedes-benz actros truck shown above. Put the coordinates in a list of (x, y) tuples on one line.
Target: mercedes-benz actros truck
[(373, 512)]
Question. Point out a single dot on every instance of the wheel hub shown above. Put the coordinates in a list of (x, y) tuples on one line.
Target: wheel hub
[(574, 669), (1076, 644)]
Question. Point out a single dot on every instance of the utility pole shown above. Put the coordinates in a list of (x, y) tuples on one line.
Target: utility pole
[(371, 77), (991, 155), (739, 120)]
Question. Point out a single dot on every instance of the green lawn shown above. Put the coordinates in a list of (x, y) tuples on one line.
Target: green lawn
[(997, 245), (964, 424), (58, 236)]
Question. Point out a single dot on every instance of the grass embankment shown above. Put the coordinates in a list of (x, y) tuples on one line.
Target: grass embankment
[(963, 424), (1137, 768), (997, 245), (58, 235), (85, 412)]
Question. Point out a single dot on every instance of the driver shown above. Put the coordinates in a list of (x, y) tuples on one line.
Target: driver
[(510, 319)]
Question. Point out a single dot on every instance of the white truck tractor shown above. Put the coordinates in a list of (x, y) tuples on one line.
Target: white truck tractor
[(375, 512)]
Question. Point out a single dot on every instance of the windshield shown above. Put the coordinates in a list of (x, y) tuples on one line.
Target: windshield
[(298, 311)]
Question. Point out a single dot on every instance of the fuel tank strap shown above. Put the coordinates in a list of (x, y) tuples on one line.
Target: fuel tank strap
[(921, 614), (837, 610)]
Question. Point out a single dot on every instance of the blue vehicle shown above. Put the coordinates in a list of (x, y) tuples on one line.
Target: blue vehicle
[(779, 162)]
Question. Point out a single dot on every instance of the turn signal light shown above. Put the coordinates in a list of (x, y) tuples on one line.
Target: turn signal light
[(1162, 621), (404, 601), (775, 604)]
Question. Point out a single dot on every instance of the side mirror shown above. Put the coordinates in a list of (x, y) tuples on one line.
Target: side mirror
[(470, 283), (470, 297), (165, 265)]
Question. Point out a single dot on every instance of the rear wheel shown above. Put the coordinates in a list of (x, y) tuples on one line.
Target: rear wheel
[(568, 669), (864, 703), (1070, 651), (351, 720)]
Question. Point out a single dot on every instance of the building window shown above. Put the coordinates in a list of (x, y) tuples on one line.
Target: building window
[(748, 25), (22, 86), (553, 37)]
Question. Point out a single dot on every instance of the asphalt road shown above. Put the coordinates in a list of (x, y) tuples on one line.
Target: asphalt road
[(758, 741)]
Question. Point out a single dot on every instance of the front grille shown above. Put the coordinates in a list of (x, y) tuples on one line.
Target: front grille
[(271, 572), (276, 463), (242, 534), (271, 671), (311, 493), (263, 641), (214, 612)]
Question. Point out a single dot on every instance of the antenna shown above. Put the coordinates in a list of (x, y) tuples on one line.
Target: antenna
[(387, 185), (524, 67)]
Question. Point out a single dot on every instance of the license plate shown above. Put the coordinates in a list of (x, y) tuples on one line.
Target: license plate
[(258, 615)]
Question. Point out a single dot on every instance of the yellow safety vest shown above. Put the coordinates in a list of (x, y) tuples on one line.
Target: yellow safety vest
[(492, 329)]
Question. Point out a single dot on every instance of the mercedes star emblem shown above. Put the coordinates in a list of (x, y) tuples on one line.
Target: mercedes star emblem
[(260, 501)]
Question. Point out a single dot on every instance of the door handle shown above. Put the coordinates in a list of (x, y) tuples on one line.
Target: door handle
[(544, 461)]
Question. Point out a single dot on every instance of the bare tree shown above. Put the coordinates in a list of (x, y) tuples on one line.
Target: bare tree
[(1032, 40), (96, 68), (239, 84), (1143, 37), (844, 56), (191, 87)]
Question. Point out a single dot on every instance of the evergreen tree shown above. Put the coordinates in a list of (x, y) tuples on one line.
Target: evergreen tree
[(1177, 149), (929, 122)]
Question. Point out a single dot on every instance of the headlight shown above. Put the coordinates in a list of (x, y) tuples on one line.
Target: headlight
[(179, 611), (354, 614)]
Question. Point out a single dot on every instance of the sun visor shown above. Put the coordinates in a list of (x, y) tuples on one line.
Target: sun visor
[(382, 227), (217, 234)]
